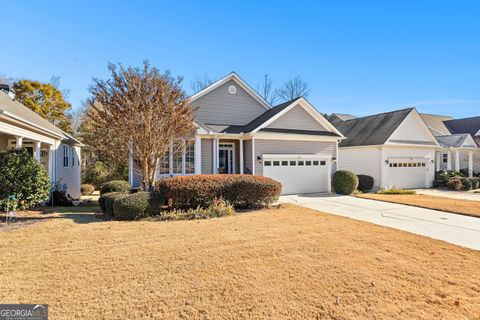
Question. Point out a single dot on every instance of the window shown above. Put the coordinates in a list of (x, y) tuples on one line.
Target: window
[(395, 165), (65, 156), (72, 149), (445, 157), (177, 157), (423, 164), (267, 163), (315, 163), (300, 163), (165, 163), (284, 163), (322, 163), (190, 157), (276, 163), (308, 163), (293, 163)]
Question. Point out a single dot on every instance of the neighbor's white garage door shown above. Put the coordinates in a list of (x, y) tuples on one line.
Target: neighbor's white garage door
[(407, 173), (297, 174)]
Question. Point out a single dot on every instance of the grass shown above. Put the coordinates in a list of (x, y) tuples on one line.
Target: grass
[(282, 263), (396, 191), (459, 206)]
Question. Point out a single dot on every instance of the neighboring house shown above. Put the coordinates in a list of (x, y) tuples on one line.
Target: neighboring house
[(459, 140), (238, 132), (396, 148), (56, 150)]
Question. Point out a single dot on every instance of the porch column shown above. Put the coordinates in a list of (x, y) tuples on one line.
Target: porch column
[(51, 166), (470, 164), (438, 160), (457, 160), (449, 160), (215, 154), (241, 156), (37, 150), (18, 142), (253, 155), (198, 155)]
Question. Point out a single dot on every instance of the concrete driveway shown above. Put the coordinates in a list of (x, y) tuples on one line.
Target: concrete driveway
[(457, 229)]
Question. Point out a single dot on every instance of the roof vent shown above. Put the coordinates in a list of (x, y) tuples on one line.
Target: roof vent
[(232, 89), (7, 89)]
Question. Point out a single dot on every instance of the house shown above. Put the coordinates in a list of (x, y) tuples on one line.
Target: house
[(56, 150), (238, 132), (396, 148), (459, 139)]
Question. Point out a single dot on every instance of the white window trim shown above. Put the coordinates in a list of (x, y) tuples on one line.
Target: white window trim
[(65, 156), (170, 164), (228, 146)]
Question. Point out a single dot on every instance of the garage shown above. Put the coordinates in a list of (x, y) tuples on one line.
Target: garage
[(407, 173), (298, 173)]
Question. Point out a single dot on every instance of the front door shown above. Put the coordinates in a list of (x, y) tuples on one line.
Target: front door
[(225, 159)]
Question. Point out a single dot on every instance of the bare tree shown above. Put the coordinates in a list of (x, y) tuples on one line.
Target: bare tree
[(6, 80), (200, 82), (78, 116), (266, 90), (294, 88), (142, 111)]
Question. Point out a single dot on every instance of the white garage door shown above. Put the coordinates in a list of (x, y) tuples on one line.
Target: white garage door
[(407, 173), (297, 174)]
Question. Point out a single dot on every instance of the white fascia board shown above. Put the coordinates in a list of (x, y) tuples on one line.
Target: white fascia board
[(27, 134), (232, 76), (310, 110), (296, 156), (469, 143)]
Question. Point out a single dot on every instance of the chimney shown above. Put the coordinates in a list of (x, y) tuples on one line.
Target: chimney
[(8, 89)]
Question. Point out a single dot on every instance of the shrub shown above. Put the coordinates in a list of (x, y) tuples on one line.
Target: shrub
[(59, 196), (475, 183), (107, 200), (23, 179), (219, 208), (344, 182), (396, 191), (137, 205), (115, 186), (365, 183), (443, 176), (454, 184), (100, 172), (241, 191), (87, 189), (466, 184)]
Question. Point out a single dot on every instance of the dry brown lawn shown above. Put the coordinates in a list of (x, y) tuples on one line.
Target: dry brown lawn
[(460, 206), (279, 263)]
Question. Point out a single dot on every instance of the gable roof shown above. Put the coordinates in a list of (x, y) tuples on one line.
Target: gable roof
[(338, 117), (371, 130), (456, 141), (465, 125), (436, 123), (15, 110), (259, 123), (234, 77)]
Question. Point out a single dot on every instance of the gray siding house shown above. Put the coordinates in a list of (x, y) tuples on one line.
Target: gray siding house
[(238, 132), (56, 150)]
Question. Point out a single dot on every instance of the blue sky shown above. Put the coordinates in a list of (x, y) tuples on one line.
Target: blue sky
[(359, 57)]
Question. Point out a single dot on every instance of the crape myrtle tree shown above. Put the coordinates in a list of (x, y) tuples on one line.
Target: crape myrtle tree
[(140, 110)]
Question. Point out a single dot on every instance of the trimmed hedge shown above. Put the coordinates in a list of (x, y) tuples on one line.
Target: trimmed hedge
[(365, 183), (344, 182), (475, 183), (241, 191), (107, 200), (115, 186), (87, 189), (137, 205)]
